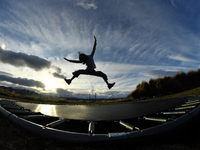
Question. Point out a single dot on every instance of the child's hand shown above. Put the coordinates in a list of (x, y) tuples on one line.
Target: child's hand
[(65, 58), (95, 40)]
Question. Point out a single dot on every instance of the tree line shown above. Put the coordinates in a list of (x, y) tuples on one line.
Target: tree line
[(167, 85)]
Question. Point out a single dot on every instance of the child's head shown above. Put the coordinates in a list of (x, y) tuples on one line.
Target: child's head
[(82, 57)]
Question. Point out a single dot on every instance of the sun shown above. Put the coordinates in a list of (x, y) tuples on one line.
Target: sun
[(50, 83)]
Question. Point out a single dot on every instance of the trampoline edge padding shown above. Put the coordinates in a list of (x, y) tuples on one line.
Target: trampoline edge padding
[(195, 113), (4, 112), (72, 137), (50, 133)]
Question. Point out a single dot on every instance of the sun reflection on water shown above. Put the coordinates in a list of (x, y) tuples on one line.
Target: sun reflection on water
[(46, 109)]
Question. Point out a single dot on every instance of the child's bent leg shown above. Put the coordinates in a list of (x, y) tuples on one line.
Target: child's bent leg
[(75, 74), (101, 74), (69, 80), (105, 78)]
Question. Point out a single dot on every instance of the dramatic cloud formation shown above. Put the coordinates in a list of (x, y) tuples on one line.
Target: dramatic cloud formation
[(136, 40), (31, 61), (22, 59), (5, 73)]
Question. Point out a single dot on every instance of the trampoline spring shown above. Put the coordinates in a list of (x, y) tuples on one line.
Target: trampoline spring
[(128, 126), (188, 104), (192, 101), (55, 123), (158, 119), (91, 128), (172, 113), (19, 111), (186, 107)]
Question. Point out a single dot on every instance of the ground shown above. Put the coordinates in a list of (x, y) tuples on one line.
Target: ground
[(12, 137)]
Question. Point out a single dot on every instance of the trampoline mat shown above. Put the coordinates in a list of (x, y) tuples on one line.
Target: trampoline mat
[(103, 112)]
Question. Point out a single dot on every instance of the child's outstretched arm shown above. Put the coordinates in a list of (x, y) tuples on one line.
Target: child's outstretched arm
[(94, 47), (73, 61)]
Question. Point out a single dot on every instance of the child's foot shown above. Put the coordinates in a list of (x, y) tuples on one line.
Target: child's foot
[(68, 81), (110, 85)]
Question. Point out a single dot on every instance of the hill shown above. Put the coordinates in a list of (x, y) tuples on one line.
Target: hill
[(14, 92)]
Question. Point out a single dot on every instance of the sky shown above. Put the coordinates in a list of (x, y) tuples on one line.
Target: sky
[(136, 40)]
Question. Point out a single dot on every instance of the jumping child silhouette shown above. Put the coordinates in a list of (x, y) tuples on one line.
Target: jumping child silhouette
[(89, 61)]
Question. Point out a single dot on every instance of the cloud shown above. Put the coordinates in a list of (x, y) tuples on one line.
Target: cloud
[(173, 3), (57, 75), (22, 81), (158, 73), (2, 46), (5, 73), (22, 59), (114, 94), (63, 91), (86, 4), (31, 61), (180, 58)]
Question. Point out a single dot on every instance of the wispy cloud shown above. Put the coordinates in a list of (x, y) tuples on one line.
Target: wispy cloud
[(173, 3), (158, 73), (87, 4), (180, 58), (133, 38)]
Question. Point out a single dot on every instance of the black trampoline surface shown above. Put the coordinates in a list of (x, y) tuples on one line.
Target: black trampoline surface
[(103, 112)]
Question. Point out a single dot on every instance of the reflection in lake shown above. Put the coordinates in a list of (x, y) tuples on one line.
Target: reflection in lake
[(47, 109)]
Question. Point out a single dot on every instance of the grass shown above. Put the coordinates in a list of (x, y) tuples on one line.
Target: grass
[(195, 91)]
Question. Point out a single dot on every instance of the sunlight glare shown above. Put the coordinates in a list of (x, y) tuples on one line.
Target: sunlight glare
[(47, 109), (50, 83)]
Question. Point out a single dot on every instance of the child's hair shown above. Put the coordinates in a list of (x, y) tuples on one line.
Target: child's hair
[(82, 57)]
